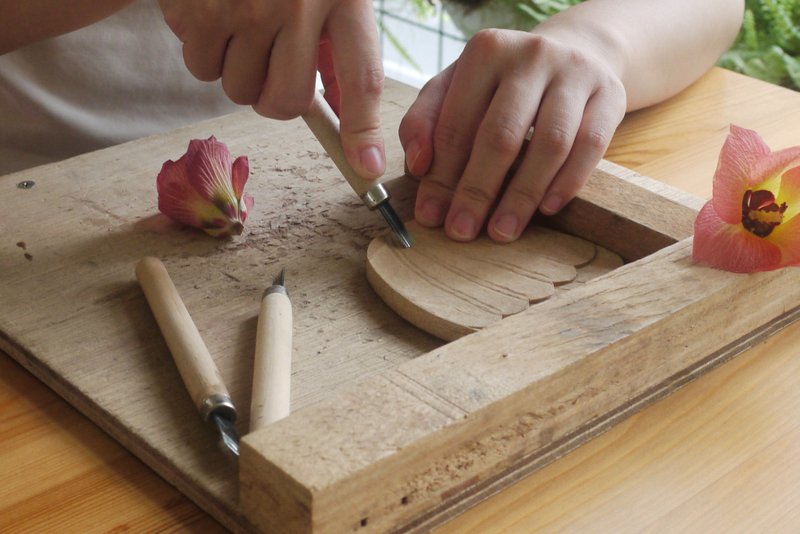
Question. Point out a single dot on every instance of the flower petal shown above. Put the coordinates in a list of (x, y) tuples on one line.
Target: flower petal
[(239, 174), (209, 167), (245, 206), (174, 192), (741, 150), (746, 162), (180, 201), (770, 169), (790, 192), (199, 190), (786, 237), (729, 246)]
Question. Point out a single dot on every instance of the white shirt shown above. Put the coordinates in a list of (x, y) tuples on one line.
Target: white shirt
[(119, 79)]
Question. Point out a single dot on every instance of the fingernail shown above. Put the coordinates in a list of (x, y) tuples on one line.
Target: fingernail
[(431, 212), (464, 226), (506, 226), (372, 160), (551, 205), (412, 154)]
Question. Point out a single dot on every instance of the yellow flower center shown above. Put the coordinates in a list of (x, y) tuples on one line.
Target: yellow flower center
[(760, 213)]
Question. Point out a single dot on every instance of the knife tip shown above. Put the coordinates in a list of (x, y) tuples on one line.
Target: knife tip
[(228, 438), (396, 224), (280, 279)]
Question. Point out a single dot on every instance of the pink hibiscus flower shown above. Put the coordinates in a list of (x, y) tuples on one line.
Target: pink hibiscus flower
[(750, 223), (205, 190)]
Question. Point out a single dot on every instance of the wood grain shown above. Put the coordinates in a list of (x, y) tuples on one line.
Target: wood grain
[(59, 472), (717, 456), (451, 289), (676, 142)]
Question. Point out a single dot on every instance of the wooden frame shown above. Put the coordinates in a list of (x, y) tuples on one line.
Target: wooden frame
[(404, 449)]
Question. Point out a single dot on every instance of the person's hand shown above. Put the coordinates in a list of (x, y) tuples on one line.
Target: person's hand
[(468, 124), (267, 53)]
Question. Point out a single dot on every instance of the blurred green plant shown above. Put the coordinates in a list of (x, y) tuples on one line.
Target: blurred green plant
[(768, 43), (539, 10), (419, 9)]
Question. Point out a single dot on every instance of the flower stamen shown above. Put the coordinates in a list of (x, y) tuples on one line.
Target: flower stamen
[(760, 213)]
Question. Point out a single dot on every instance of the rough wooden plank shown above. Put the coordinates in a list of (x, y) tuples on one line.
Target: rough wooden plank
[(73, 314), (502, 395)]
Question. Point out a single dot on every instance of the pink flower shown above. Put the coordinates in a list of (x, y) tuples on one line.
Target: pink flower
[(203, 189), (750, 223)]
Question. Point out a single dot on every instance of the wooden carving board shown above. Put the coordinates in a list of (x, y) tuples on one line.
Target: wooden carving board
[(451, 289), (390, 428)]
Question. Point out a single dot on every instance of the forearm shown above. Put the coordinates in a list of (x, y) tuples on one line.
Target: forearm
[(28, 21), (657, 47)]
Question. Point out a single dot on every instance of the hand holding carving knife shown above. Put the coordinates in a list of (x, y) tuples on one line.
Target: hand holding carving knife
[(324, 124)]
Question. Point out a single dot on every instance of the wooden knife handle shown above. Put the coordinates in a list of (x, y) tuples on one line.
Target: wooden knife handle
[(198, 371), (324, 124), (273, 361)]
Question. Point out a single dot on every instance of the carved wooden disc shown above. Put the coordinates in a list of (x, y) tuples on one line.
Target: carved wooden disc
[(450, 289)]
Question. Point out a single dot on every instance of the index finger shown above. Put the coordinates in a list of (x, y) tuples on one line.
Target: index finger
[(353, 34)]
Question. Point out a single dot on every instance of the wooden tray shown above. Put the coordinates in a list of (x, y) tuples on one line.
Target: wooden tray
[(391, 429)]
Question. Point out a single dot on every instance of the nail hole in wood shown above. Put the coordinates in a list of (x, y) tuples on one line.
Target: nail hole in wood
[(364, 522), (404, 500)]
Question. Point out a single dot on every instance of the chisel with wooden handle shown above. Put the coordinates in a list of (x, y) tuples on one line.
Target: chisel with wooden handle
[(197, 369), (272, 370), (324, 124)]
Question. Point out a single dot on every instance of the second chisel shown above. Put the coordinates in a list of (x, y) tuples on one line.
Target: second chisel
[(272, 369)]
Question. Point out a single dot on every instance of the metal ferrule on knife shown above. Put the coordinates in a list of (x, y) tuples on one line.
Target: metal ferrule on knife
[(217, 404), (375, 196)]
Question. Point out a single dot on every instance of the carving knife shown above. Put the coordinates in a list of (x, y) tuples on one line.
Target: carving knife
[(324, 124), (272, 370), (197, 369)]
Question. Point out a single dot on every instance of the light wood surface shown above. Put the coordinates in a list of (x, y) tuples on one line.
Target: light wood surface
[(720, 452)]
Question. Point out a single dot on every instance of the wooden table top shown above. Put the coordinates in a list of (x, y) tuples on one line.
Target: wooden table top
[(719, 454)]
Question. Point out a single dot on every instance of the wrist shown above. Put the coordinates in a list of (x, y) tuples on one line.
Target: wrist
[(600, 41)]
